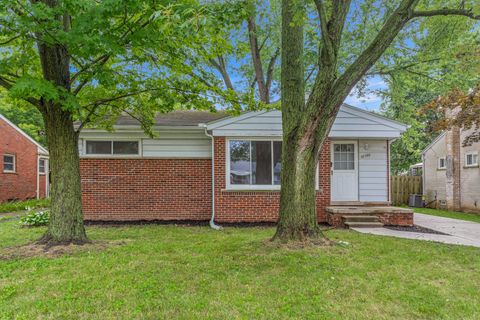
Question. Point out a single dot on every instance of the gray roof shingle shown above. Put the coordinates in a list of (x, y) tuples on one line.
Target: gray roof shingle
[(177, 118)]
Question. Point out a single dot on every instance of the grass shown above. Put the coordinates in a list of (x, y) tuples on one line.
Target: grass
[(175, 272), (21, 205), (450, 214)]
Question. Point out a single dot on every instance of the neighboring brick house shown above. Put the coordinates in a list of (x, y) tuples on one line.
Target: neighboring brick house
[(451, 172), (128, 176), (23, 165)]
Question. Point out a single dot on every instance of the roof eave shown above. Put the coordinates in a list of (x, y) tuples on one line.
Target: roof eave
[(137, 128), (433, 142)]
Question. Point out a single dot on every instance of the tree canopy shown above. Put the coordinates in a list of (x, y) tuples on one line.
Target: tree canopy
[(125, 56), (442, 58)]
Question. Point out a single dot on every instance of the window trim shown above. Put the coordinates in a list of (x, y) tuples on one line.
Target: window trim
[(255, 187), (471, 153), (111, 155), (14, 157), (44, 166), (444, 161)]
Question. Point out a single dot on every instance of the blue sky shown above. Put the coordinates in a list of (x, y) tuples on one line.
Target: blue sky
[(371, 100)]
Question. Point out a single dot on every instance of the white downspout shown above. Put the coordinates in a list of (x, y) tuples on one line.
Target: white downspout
[(212, 219), (38, 178)]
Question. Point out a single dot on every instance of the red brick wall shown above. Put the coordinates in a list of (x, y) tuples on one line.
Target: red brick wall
[(260, 206), (42, 187), (22, 184), (146, 189)]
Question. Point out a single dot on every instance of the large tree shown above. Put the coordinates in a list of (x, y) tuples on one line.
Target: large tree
[(306, 122), (92, 60), (247, 61)]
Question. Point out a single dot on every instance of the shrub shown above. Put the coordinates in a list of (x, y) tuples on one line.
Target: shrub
[(35, 219)]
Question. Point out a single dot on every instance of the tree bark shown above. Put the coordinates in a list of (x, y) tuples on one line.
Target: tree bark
[(298, 218), (66, 217), (257, 60)]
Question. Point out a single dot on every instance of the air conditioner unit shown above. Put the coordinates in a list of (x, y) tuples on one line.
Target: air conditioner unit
[(415, 200)]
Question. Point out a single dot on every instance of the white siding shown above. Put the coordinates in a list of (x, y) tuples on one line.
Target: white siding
[(469, 177), (373, 170), (259, 124), (350, 123), (168, 144), (434, 182)]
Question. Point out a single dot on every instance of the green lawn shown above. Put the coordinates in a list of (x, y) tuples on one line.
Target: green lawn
[(169, 272), (450, 214), (22, 205)]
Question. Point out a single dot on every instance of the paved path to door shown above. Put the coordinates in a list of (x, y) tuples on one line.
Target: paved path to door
[(459, 231)]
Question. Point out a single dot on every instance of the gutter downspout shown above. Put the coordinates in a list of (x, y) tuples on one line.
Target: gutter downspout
[(212, 219), (38, 177)]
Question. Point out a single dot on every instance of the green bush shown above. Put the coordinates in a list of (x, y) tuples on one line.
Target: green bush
[(35, 219)]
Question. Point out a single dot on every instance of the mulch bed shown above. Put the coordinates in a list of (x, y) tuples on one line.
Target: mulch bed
[(189, 223), (415, 228)]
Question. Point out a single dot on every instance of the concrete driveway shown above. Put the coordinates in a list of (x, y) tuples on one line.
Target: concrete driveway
[(467, 230), (458, 231)]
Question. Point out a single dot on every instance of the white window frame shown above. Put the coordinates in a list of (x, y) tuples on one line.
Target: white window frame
[(439, 167), (14, 163), (253, 187), (471, 153), (111, 155), (44, 166)]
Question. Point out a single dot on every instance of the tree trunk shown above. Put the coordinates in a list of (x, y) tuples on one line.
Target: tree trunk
[(298, 214), (66, 217), (298, 218), (257, 60)]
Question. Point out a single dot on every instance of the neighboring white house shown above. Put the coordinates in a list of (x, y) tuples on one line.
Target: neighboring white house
[(444, 152)]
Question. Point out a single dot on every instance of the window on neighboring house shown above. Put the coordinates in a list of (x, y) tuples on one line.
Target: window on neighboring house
[(255, 162), (97, 147), (8, 163), (471, 159), (41, 166), (442, 163)]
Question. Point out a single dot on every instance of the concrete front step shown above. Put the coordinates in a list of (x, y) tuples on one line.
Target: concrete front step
[(362, 218), (358, 224), (347, 210), (361, 221)]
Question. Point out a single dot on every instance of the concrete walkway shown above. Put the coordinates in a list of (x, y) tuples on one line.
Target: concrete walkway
[(459, 231)]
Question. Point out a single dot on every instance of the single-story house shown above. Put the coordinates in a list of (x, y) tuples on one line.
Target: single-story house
[(203, 166), (447, 155), (23, 164)]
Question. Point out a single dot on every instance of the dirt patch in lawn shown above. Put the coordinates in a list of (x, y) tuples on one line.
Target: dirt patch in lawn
[(41, 250), (300, 244)]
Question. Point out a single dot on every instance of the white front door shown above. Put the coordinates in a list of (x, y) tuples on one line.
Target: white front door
[(344, 171)]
